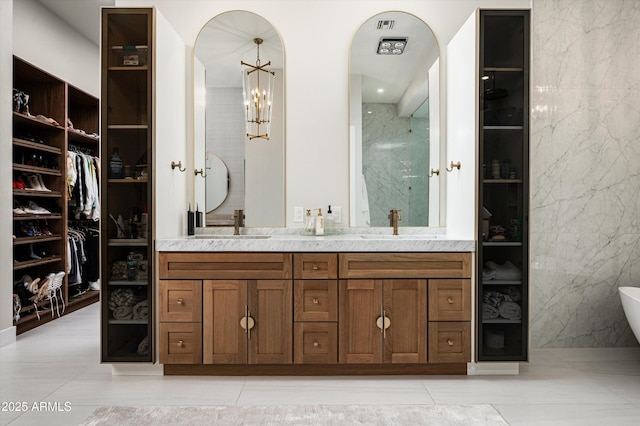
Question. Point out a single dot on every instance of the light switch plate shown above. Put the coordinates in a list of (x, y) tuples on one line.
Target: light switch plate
[(298, 213), (337, 213)]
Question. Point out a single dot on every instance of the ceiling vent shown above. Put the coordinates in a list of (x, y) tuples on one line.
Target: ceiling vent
[(386, 24)]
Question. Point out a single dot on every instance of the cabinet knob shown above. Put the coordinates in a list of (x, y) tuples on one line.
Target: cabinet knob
[(449, 342), (315, 343), (315, 267), (180, 343), (247, 323), (180, 301), (450, 300), (315, 301)]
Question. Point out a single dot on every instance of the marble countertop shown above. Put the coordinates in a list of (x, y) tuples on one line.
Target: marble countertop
[(292, 240)]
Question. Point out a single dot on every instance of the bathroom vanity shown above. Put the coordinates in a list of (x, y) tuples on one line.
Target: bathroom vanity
[(314, 305)]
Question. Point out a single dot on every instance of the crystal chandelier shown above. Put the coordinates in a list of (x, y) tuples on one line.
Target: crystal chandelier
[(257, 94)]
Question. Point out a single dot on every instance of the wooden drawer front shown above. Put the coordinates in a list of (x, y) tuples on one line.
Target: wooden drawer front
[(449, 341), (315, 266), (225, 265), (315, 300), (315, 343), (180, 301), (450, 300), (405, 265), (180, 343)]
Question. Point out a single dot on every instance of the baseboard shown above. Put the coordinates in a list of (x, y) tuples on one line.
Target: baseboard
[(7, 336), (132, 369), (493, 369)]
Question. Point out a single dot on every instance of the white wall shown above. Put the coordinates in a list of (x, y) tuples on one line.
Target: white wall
[(7, 331), (316, 36)]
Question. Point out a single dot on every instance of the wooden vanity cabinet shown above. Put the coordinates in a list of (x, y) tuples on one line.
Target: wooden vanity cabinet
[(383, 308), (315, 308)]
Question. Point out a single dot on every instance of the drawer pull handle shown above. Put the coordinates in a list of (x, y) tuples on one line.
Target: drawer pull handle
[(449, 342), (315, 300), (450, 300), (315, 343), (180, 343), (180, 301), (315, 267)]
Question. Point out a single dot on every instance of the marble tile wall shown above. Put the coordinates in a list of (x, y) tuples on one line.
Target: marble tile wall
[(585, 170), (385, 137)]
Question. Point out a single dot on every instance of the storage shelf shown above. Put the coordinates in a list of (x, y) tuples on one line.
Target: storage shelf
[(30, 216), (34, 169), (501, 181), (75, 136), (502, 244), (128, 322), (503, 128), (36, 146), (501, 282), (36, 262), (32, 121), (503, 69), (127, 242), (129, 181), (501, 321), (128, 126), (130, 68), (35, 193), (133, 283), (39, 239)]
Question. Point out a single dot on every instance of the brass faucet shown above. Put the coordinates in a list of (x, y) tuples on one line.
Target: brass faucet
[(394, 218), (238, 221)]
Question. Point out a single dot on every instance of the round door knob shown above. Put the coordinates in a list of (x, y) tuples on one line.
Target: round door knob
[(450, 300), (315, 343), (315, 300), (315, 267), (180, 343), (180, 301), (449, 342)]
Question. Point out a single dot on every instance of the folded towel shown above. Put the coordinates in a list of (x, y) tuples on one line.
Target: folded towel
[(495, 298), (488, 274), (510, 310), (141, 310), (489, 312), (122, 296), (143, 347), (508, 271), (513, 292), (123, 313)]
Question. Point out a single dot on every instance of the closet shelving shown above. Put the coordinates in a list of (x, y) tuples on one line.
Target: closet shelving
[(40, 143), (127, 254), (503, 254)]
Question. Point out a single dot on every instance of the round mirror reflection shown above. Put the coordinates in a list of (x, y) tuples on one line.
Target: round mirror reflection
[(217, 181), (394, 139)]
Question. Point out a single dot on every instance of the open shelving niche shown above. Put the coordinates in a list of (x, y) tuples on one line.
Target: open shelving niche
[(45, 141)]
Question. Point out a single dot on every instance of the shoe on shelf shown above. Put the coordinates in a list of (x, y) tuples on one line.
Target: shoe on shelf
[(36, 209), (32, 254)]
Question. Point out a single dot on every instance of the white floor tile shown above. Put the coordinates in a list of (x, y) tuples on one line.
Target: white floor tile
[(570, 414)]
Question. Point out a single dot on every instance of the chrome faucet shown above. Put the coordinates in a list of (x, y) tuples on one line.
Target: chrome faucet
[(394, 218), (238, 221)]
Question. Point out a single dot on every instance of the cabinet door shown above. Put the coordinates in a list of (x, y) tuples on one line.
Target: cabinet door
[(270, 305), (405, 308), (224, 305), (360, 340)]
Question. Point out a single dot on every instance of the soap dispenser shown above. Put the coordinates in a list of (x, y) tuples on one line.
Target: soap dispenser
[(309, 224), (329, 222), (319, 223)]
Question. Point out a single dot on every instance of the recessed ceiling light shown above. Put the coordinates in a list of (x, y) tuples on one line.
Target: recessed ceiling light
[(380, 90), (392, 45)]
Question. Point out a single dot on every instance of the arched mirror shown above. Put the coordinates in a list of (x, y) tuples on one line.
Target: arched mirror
[(394, 137), (254, 177)]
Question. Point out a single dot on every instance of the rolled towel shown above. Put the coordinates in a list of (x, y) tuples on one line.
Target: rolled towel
[(514, 293), (122, 297), (141, 310), (489, 312), (143, 347), (123, 313), (510, 310)]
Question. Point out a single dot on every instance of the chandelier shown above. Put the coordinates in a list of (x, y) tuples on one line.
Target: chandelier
[(257, 94)]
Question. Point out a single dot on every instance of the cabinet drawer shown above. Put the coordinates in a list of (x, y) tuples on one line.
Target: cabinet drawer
[(315, 300), (405, 265), (449, 342), (189, 265), (315, 266), (450, 300), (180, 343), (315, 343), (180, 301)]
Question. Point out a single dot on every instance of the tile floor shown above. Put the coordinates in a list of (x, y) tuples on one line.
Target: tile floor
[(59, 363)]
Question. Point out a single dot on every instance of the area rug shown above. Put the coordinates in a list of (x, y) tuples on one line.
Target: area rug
[(299, 415)]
